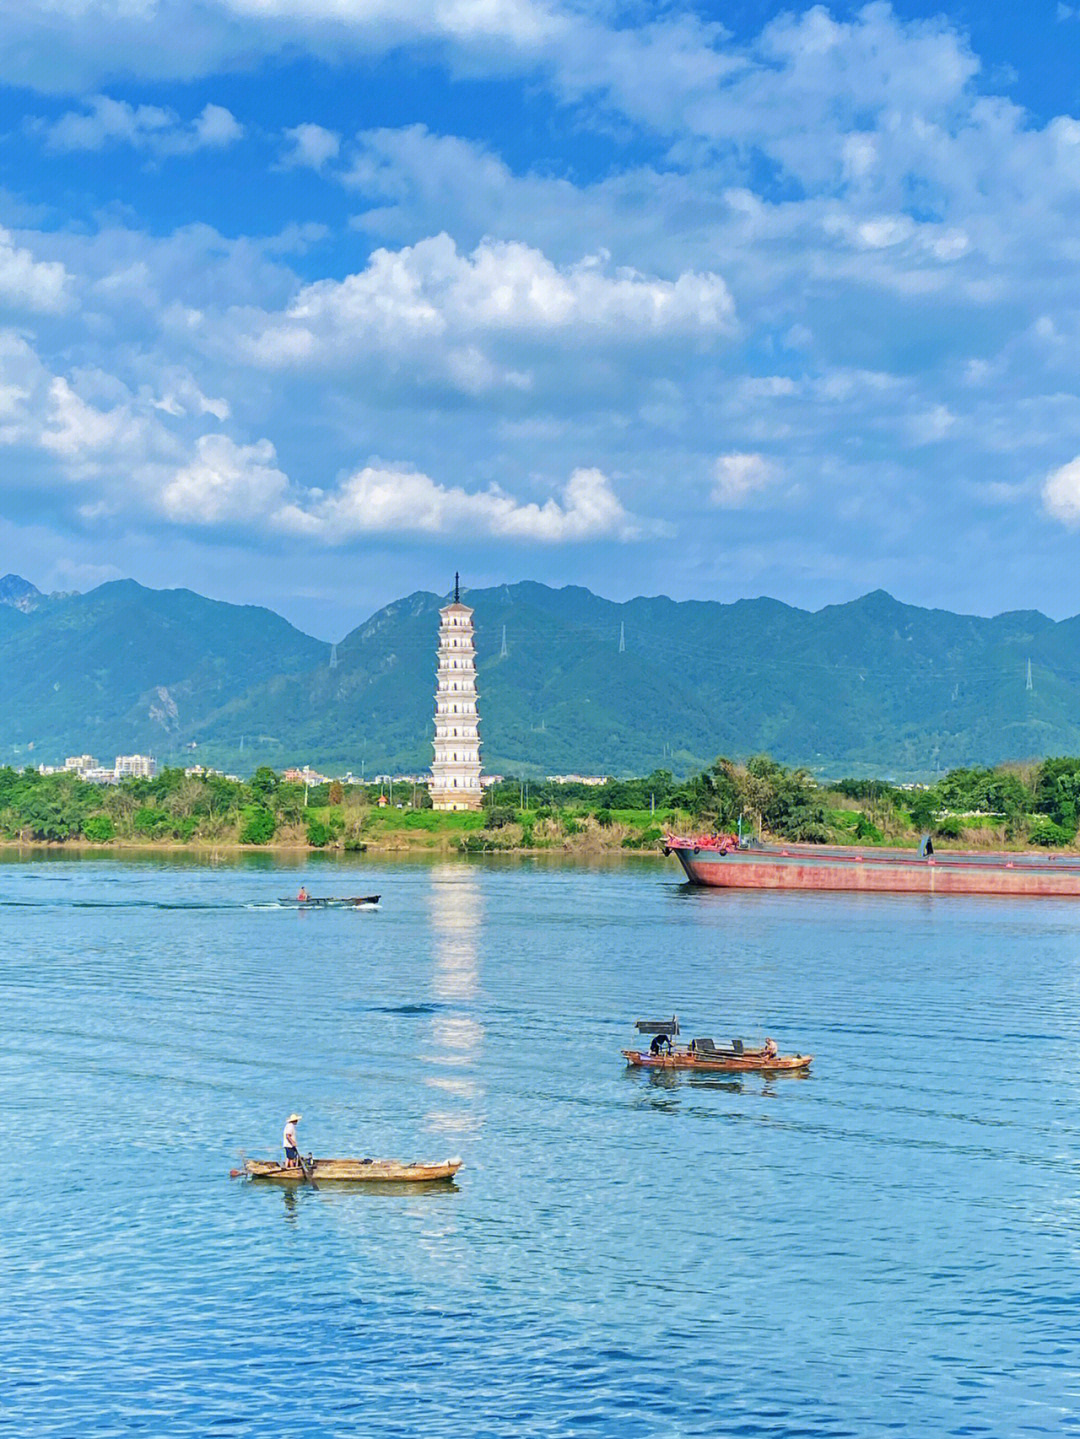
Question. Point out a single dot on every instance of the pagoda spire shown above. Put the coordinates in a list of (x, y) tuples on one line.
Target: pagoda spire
[(457, 588)]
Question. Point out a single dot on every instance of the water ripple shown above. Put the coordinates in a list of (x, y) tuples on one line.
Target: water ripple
[(885, 1246)]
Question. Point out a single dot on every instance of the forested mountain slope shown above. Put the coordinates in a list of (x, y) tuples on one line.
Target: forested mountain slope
[(871, 686)]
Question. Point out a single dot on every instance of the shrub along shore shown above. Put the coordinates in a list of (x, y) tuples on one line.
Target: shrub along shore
[(1009, 807)]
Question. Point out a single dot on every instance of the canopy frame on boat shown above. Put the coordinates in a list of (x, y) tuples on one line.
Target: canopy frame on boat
[(657, 1026)]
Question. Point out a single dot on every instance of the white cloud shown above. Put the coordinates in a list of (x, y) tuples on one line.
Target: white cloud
[(113, 445), (67, 46), (106, 120), (30, 284), (224, 482), (117, 453), (21, 377), (179, 395), (145, 127), (215, 128), (898, 232), (901, 206), (429, 295), (1061, 493), (519, 21), (768, 387), (311, 146), (75, 429), (738, 477), (139, 455), (932, 425), (380, 499)]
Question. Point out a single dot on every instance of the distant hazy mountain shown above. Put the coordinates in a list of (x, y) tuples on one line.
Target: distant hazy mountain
[(871, 686), (20, 594)]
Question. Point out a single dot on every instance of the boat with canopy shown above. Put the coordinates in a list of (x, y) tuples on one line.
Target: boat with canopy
[(705, 1056)]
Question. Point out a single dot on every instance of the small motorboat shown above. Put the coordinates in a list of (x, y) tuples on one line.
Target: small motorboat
[(707, 1057), (355, 901), (349, 1171)]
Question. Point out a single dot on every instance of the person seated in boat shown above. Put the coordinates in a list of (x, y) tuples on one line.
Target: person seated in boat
[(771, 1050), (302, 896), (661, 1044), (288, 1140)]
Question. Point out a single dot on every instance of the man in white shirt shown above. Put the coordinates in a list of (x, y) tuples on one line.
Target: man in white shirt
[(288, 1139)]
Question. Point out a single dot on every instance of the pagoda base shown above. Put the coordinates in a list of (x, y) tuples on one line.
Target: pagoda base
[(457, 800)]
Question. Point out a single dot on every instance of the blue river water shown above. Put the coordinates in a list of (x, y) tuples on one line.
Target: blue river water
[(889, 1246)]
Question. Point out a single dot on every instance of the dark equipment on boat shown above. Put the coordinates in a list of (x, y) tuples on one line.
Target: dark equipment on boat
[(661, 1044), (707, 1049), (926, 847)]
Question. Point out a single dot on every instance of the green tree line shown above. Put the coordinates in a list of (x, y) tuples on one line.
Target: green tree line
[(1035, 804), (172, 806)]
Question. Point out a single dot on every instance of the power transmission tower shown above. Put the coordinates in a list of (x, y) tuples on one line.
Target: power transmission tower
[(1029, 684), (333, 657), (503, 652), (622, 637)]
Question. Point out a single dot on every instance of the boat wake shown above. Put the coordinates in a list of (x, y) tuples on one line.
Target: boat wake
[(153, 904)]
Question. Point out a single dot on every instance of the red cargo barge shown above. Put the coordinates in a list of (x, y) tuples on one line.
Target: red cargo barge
[(722, 862)]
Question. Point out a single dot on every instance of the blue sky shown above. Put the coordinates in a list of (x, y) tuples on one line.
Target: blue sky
[(309, 303)]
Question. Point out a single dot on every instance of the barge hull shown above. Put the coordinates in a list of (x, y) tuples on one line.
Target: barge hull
[(802, 868)]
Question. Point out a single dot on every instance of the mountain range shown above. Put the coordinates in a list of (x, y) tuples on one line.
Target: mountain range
[(568, 682)]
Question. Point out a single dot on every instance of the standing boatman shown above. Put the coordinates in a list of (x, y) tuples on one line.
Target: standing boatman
[(288, 1139)]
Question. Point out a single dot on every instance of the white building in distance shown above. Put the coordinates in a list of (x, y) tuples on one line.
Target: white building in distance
[(135, 766), (455, 772)]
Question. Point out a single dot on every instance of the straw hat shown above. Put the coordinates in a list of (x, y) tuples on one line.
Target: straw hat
[(295, 1118)]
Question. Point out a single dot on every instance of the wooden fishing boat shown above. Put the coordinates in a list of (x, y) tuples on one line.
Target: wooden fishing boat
[(720, 1061), (352, 1171), (706, 1057), (331, 902)]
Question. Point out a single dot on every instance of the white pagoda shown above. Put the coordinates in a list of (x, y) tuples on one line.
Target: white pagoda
[(455, 773)]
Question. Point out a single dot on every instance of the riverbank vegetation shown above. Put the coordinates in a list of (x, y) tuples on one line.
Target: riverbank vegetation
[(1036, 804)]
